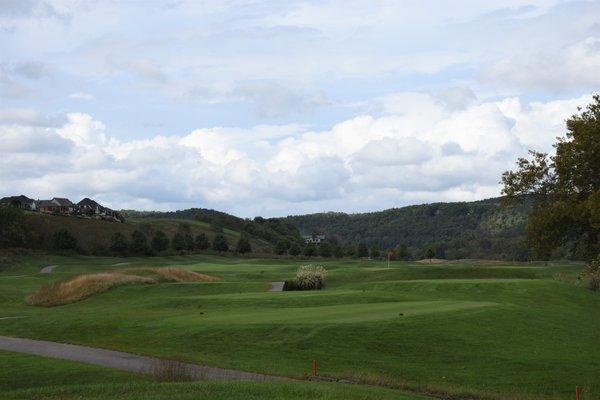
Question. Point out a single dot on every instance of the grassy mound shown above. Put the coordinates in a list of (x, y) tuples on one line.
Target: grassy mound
[(81, 287), (167, 274)]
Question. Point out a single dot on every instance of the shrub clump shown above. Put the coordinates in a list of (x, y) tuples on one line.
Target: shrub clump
[(308, 277), (590, 276)]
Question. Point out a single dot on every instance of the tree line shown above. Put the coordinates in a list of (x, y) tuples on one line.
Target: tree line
[(181, 242)]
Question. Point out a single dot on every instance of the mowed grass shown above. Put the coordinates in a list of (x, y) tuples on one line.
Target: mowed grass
[(29, 377), (489, 330), (22, 371)]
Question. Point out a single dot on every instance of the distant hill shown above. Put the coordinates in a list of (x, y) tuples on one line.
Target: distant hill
[(269, 229), (480, 229), (94, 236), (484, 229)]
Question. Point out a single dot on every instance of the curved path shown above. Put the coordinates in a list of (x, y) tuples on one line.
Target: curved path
[(47, 269), (276, 287), (123, 361)]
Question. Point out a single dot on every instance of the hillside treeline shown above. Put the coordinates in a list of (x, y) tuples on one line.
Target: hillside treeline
[(481, 229), (269, 229)]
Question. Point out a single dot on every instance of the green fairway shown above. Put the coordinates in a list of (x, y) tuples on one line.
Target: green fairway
[(347, 313), (490, 330)]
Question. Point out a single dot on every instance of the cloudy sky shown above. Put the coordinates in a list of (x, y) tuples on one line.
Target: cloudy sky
[(285, 107)]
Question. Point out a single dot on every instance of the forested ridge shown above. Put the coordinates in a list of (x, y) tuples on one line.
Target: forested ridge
[(480, 229)]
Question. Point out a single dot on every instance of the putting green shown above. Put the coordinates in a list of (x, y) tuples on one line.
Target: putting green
[(346, 313)]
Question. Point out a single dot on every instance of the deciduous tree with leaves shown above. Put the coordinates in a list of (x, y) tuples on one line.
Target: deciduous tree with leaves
[(564, 188)]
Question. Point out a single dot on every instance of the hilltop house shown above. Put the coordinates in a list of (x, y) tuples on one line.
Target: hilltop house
[(91, 208), (21, 201), (57, 205), (314, 239), (86, 208)]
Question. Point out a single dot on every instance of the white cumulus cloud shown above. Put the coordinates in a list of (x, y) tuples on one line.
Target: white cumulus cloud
[(428, 152)]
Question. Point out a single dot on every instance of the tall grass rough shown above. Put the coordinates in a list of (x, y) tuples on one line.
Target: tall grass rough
[(308, 277)]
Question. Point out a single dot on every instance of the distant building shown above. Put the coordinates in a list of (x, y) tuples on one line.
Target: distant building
[(91, 208), (314, 239), (58, 205), (86, 208), (21, 201)]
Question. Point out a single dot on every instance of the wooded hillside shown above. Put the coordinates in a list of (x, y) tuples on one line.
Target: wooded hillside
[(480, 229)]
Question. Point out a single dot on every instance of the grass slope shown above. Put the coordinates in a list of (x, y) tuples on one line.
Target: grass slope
[(94, 236), (22, 371), (30, 377), (490, 330)]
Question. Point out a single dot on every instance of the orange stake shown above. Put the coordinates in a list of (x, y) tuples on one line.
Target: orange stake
[(577, 393), (314, 369)]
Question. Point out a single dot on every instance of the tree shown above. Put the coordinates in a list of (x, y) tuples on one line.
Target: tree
[(139, 243), (178, 242), (400, 252), (220, 243), (119, 244), (64, 240), (294, 249), (350, 250), (338, 251), (310, 250), (564, 187), (362, 250), (243, 246), (325, 250), (280, 247), (160, 241), (12, 227), (202, 242), (429, 253), (374, 252), (189, 241)]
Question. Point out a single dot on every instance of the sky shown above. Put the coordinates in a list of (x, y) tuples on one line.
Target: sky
[(275, 108)]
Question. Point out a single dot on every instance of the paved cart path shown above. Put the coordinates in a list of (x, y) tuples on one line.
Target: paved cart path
[(47, 269), (276, 287), (122, 361)]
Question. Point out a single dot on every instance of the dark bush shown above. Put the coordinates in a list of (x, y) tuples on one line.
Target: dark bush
[(294, 249), (310, 250), (280, 247), (178, 242), (325, 250), (243, 246), (220, 243), (64, 240), (119, 244), (202, 242), (160, 241), (139, 243)]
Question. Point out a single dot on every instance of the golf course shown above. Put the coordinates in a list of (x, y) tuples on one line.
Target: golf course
[(462, 329)]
